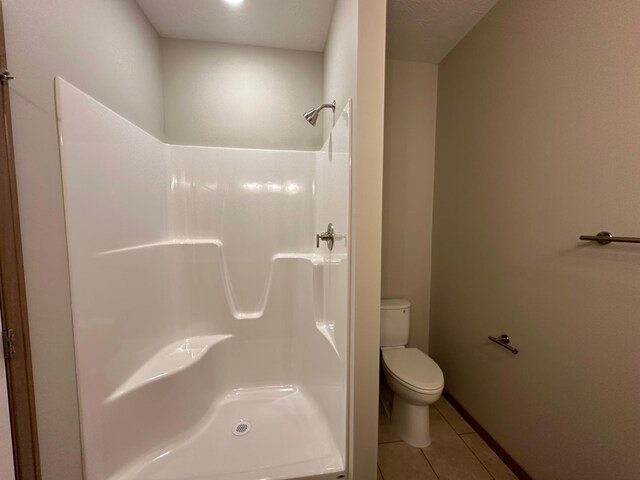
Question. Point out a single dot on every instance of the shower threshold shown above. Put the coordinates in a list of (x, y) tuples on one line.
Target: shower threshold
[(250, 434)]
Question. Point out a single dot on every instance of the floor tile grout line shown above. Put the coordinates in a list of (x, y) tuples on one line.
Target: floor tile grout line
[(449, 423), (380, 471), (445, 418), (474, 454), (465, 443), (429, 463), (461, 439), (389, 441)]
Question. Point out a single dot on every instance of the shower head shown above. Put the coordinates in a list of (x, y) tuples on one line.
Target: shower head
[(312, 115)]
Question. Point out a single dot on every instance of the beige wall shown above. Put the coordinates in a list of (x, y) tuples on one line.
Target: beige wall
[(354, 68), (409, 156), (240, 96), (340, 59), (538, 141), (366, 231), (108, 49)]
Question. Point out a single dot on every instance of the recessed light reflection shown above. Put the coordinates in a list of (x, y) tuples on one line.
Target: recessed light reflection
[(290, 188), (184, 184), (251, 186), (234, 3)]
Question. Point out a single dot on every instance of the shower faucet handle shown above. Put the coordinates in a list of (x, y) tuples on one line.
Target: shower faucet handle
[(329, 236)]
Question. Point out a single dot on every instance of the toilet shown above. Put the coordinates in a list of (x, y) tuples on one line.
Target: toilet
[(414, 378)]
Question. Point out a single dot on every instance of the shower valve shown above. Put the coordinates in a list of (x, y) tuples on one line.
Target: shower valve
[(329, 236)]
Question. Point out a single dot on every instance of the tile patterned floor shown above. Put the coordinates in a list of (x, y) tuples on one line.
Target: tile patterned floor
[(456, 451)]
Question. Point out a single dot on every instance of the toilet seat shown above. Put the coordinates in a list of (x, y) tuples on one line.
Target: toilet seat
[(414, 369)]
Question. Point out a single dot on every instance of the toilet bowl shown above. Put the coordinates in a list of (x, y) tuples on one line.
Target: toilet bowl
[(414, 378)]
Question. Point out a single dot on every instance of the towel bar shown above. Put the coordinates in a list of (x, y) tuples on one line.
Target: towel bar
[(503, 340)]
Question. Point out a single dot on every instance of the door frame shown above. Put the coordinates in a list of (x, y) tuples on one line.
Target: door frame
[(13, 299)]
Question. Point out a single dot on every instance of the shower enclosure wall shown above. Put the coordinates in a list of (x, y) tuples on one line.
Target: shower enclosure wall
[(211, 334)]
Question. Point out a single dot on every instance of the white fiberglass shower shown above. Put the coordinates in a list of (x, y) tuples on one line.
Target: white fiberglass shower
[(211, 334)]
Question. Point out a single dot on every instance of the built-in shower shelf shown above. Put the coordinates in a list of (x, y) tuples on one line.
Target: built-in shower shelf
[(171, 359), (311, 257), (165, 243), (314, 259)]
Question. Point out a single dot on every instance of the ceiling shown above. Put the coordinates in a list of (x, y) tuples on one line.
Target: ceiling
[(417, 30), (426, 30), (293, 24)]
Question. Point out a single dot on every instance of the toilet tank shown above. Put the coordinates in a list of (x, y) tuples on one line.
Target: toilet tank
[(395, 317)]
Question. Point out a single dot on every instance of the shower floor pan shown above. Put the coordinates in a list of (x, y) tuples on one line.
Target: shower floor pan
[(251, 434)]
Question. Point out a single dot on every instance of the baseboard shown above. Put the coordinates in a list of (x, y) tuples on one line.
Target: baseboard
[(495, 446)]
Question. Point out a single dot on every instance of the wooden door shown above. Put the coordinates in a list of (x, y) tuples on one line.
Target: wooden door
[(13, 305)]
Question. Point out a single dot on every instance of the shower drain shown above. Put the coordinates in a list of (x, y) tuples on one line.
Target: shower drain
[(241, 428)]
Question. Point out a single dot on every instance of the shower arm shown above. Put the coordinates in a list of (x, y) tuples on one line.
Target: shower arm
[(332, 106), (312, 115)]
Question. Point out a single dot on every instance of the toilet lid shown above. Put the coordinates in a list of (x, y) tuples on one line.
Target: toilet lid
[(414, 368)]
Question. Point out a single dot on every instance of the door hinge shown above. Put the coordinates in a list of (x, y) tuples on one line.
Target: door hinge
[(9, 343), (5, 75)]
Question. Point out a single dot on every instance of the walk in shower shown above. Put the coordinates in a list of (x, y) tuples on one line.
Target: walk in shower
[(211, 333)]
